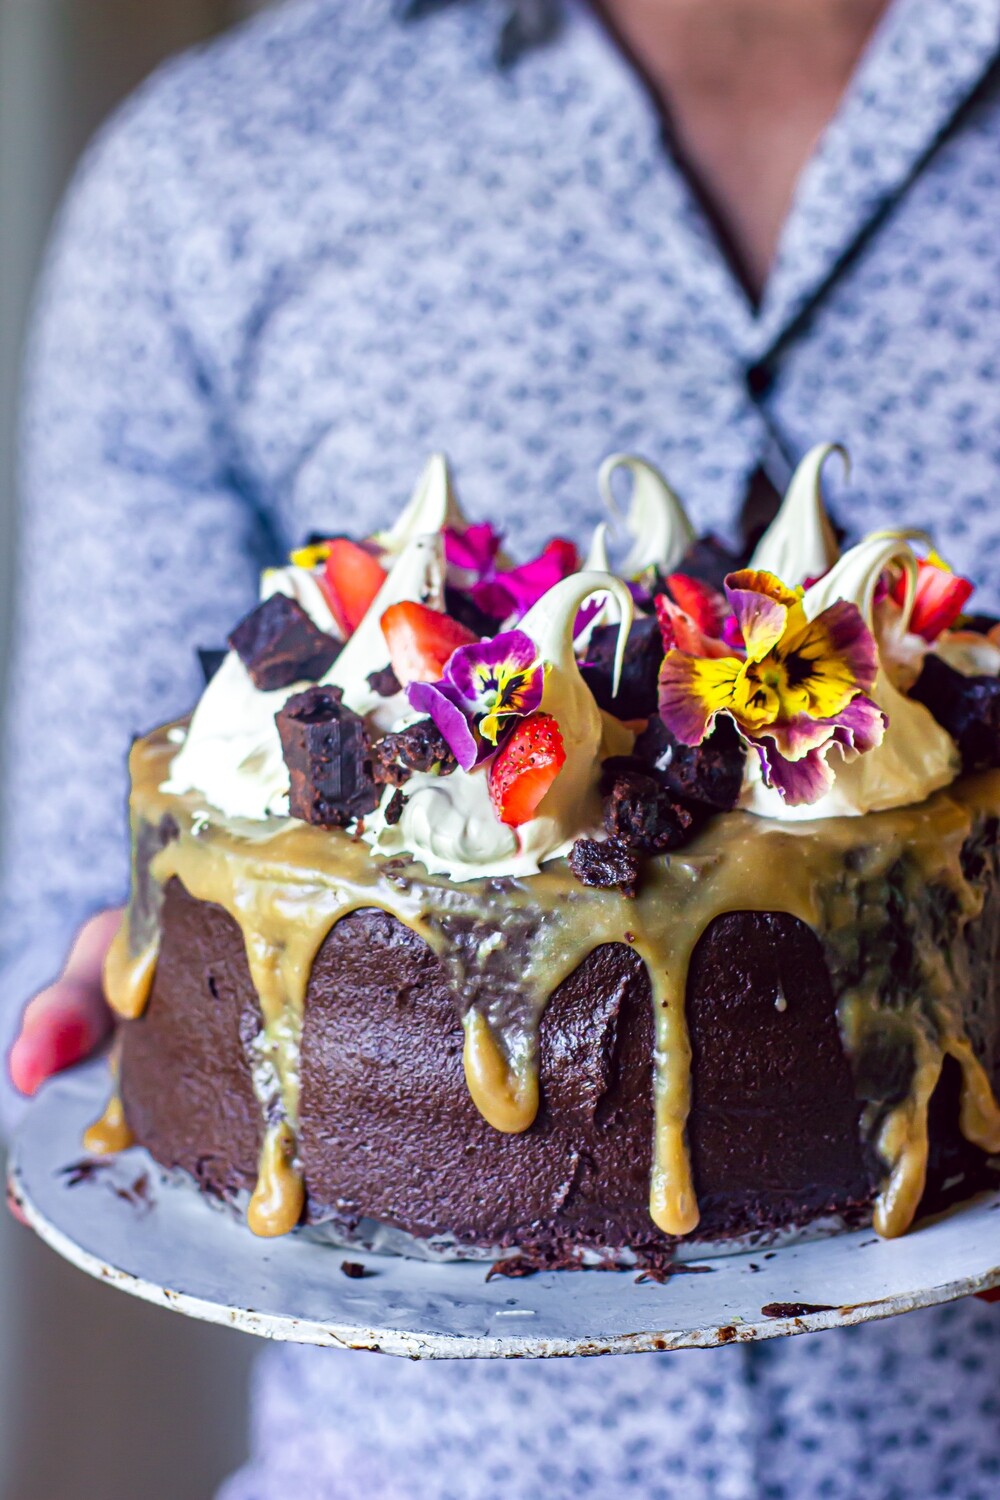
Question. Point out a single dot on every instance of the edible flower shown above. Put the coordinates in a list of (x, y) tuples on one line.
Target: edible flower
[(473, 550), (510, 594), (486, 688), (796, 688), (940, 597)]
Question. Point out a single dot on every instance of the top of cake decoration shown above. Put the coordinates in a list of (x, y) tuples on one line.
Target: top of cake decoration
[(485, 716)]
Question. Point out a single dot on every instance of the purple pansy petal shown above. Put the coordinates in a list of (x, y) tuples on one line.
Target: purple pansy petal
[(428, 698), (798, 782), (850, 639), (471, 668), (861, 727), (473, 549), (692, 690), (760, 619)]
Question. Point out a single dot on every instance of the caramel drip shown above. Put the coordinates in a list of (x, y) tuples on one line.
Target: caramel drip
[(128, 976), (903, 1145), (111, 1132), (508, 945), (506, 1097), (278, 1199)]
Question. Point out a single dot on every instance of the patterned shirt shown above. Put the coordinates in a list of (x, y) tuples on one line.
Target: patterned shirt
[(298, 261)]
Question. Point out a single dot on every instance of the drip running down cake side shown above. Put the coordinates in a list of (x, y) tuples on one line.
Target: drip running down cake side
[(582, 908)]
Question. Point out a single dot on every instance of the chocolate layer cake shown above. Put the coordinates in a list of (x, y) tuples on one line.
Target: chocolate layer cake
[(693, 1004)]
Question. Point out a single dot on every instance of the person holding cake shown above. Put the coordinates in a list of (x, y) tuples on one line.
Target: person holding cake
[(333, 243)]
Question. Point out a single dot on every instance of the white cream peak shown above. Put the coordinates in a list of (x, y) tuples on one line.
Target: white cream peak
[(800, 542), (656, 521)]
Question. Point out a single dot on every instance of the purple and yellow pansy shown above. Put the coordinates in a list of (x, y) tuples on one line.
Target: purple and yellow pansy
[(794, 688), (485, 689)]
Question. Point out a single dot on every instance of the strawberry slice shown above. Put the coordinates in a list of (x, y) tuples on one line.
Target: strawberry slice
[(420, 640), (681, 633), (525, 767), (351, 579), (940, 598), (705, 605)]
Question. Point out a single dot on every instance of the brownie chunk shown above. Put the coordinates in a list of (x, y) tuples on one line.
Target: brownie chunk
[(607, 865), (639, 812), (278, 644), (419, 747), (328, 756), (637, 691), (967, 707), (708, 775)]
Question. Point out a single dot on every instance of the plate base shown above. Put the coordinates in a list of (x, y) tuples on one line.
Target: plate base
[(121, 1220)]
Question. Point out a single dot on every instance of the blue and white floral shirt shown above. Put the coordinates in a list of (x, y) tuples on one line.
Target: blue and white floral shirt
[(298, 261)]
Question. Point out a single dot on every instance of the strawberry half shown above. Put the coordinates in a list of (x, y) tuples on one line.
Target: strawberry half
[(351, 579), (705, 605), (420, 641), (525, 767)]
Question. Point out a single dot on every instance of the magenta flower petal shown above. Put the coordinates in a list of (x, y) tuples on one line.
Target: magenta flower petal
[(473, 549), (429, 698), (514, 592)]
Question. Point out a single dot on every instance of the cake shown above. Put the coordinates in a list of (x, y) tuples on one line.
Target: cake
[(568, 912)]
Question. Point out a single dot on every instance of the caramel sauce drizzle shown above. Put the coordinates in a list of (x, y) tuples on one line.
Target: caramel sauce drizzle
[(286, 884)]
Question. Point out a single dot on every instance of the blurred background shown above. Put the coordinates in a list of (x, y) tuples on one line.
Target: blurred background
[(101, 1397)]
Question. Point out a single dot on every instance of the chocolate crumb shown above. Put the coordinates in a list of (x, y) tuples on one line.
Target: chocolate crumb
[(355, 1270), (709, 775), (605, 864), (278, 644), (328, 756), (639, 812), (384, 682), (419, 747), (394, 808), (83, 1171), (513, 1266), (794, 1309)]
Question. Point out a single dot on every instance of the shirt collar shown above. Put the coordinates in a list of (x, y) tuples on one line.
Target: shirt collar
[(923, 63)]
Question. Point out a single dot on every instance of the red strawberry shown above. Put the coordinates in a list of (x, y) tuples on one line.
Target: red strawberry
[(705, 605), (420, 641), (351, 579), (940, 598), (525, 767), (680, 632)]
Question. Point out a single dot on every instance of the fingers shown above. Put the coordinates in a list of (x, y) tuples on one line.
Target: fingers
[(86, 957), (67, 1021), (62, 1026)]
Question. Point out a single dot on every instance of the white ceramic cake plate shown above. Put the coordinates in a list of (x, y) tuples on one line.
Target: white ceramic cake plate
[(126, 1224)]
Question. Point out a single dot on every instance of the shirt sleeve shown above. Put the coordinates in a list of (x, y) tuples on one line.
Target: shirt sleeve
[(136, 545)]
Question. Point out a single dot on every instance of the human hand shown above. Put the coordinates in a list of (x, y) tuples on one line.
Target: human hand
[(66, 1022)]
